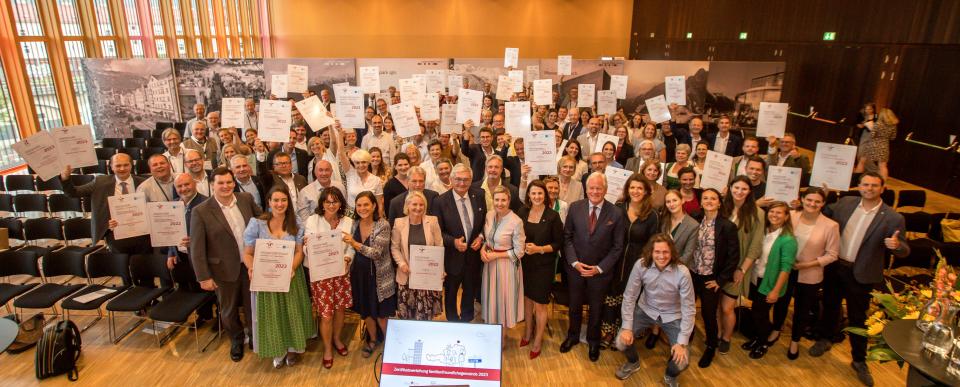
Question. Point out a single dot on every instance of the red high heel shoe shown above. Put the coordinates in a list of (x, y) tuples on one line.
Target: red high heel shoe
[(342, 350), (534, 354), (524, 343), (328, 363)]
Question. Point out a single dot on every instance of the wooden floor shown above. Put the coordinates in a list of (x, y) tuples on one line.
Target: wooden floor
[(138, 361)]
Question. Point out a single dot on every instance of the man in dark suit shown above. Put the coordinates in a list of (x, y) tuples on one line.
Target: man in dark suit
[(246, 181), (869, 231), (462, 212), (597, 163), (98, 190), (177, 258), (416, 181), (479, 152), (494, 177), (593, 243), (725, 141), (299, 158), (216, 242), (282, 174)]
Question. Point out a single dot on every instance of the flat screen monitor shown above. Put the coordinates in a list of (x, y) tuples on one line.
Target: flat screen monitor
[(439, 353)]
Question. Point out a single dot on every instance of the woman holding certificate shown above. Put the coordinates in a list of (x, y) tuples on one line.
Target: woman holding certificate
[(331, 295), (502, 283), (372, 279), (415, 229), (282, 321), (740, 208), (543, 229), (643, 223)]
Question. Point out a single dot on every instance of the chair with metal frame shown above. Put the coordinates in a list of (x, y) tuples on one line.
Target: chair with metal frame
[(6, 205), (105, 153), (105, 266), (16, 263), (177, 307), (49, 292), (19, 183), (144, 269), (50, 186), (14, 231), (64, 206), (38, 232), (111, 142), (30, 205)]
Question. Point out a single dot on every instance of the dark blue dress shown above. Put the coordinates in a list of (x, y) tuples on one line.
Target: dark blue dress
[(363, 282)]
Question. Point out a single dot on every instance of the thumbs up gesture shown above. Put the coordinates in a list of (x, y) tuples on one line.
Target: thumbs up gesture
[(893, 242)]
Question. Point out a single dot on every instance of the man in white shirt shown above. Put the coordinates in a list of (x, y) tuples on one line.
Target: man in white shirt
[(194, 163), (309, 197), (723, 141), (200, 112), (696, 130), (750, 148), (171, 139), (246, 181), (159, 186), (588, 141), (381, 140)]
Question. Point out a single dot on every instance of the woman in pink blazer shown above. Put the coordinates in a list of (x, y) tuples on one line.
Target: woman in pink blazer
[(415, 229), (818, 242)]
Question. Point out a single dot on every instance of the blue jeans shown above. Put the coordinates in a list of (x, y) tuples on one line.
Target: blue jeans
[(641, 321)]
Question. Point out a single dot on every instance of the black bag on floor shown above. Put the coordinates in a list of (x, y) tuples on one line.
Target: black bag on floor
[(58, 351), (744, 321)]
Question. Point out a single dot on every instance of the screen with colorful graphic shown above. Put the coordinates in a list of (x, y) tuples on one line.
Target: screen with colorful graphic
[(436, 353)]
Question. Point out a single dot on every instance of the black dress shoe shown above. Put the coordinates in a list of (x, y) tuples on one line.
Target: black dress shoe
[(236, 350), (594, 352), (759, 351), (793, 355), (568, 344), (750, 345), (707, 358)]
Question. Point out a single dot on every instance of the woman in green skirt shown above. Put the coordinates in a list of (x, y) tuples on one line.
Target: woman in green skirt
[(282, 321)]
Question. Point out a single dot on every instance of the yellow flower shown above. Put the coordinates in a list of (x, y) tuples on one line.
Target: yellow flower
[(874, 318), (875, 329), (956, 296), (926, 293), (912, 315)]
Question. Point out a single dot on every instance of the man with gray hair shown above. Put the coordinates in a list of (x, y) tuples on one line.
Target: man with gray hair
[(416, 182), (493, 178), (202, 143), (250, 114), (309, 198), (461, 212), (200, 113), (593, 243)]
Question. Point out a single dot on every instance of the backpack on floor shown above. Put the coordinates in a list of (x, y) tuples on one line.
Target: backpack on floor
[(58, 351)]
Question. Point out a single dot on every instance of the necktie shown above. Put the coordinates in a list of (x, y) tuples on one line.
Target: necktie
[(123, 188), (593, 219), (467, 221)]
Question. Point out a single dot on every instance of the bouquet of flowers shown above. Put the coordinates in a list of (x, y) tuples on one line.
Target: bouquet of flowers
[(916, 302)]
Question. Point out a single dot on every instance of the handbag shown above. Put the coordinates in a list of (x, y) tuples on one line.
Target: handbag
[(31, 330)]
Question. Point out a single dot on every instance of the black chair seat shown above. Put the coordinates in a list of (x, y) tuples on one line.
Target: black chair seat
[(9, 291), (135, 298), (45, 296), (72, 304), (40, 251), (176, 307), (79, 250)]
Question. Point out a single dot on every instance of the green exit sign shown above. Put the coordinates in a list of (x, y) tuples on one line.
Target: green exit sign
[(689, 35), (743, 36), (829, 36)]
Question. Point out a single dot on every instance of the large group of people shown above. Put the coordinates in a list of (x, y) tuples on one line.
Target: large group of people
[(639, 263)]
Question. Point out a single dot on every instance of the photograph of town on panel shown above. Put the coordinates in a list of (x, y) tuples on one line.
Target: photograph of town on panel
[(208, 81), (128, 94)]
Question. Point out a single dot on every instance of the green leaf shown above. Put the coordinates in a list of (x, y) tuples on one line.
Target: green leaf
[(857, 331), (891, 305), (882, 355)]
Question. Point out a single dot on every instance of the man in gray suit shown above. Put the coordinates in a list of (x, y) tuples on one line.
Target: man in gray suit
[(98, 190), (869, 231), (216, 240)]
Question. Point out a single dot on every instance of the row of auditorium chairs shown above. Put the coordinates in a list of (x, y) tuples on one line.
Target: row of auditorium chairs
[(35, 204), (145, 292), (924, 234), (51, 248), (131, 142)]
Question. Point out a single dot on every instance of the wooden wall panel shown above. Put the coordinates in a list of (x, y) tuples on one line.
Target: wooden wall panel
[(917, 43)]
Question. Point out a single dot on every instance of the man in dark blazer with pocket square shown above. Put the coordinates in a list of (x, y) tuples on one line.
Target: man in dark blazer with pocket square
[(869, 231), (593, 243), (462, 212), (216, 242)]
